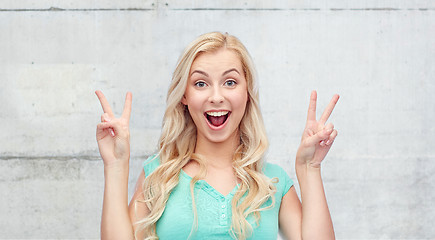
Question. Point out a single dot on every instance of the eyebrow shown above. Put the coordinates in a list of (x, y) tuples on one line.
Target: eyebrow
[(205, 74), (231, 70), (200, 72)]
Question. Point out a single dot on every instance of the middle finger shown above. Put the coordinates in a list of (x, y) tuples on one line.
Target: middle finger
[(329, 109)]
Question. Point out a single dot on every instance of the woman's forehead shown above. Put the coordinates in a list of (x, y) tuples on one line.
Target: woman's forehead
[(220, 60)]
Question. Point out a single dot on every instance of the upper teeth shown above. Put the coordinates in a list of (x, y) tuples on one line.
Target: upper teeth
[(217, 114)]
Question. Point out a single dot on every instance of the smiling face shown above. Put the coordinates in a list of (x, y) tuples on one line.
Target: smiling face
[(216, 95)]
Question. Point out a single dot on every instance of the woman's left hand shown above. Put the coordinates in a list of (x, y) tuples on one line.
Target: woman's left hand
[(318, 136)]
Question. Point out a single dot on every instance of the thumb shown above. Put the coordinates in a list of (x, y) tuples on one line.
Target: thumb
[(105, 118), (319, 136)]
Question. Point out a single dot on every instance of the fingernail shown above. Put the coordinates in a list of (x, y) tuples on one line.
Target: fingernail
[(328, 142), (112, 132)]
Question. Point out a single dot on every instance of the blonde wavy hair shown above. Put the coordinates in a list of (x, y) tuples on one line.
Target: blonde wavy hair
[(178, 139)]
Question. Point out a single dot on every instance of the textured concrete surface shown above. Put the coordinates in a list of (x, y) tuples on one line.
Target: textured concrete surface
[(378, 55)]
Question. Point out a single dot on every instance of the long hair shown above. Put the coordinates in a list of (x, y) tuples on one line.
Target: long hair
[(178, 139)]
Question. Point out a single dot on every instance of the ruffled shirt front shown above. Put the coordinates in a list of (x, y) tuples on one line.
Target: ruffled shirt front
[(214, 209)]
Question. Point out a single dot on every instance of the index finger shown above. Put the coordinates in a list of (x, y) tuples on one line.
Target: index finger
[(127, 106), (329, 109), (311, 116), (104, 103)]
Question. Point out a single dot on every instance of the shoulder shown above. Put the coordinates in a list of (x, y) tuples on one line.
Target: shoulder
[(275, 171), (151, 164)]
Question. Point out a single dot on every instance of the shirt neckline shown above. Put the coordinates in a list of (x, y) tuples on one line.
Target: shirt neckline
[(204, 185)]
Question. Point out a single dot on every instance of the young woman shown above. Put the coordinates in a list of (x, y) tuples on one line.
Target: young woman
[(208, 179)]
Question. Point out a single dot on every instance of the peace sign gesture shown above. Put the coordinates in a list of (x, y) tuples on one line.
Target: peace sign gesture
[(113, 135), (317, 138)]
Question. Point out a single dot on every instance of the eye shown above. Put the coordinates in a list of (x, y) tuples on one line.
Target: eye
[(230, 83), (200, 84)]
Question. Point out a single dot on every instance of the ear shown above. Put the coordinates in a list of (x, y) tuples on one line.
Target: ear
[(184, 100)]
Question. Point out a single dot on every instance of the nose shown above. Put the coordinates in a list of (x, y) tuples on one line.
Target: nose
[(216, 95)]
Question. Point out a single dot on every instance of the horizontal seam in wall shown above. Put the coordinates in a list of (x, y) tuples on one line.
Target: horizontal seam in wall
[(211, 9), (55, 9), (60, 158), (98, 158), (303, 9)]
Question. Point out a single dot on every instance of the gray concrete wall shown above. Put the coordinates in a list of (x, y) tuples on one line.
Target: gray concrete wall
[(378, 55)]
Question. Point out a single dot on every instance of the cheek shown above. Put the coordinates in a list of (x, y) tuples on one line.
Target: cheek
[(240, 101), (193, 107), (190, 98), (194, 104)]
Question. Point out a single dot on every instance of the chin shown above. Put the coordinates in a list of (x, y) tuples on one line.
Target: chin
[(222, 137)]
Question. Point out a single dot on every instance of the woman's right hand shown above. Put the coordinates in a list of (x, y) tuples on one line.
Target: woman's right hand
[(113, 135)]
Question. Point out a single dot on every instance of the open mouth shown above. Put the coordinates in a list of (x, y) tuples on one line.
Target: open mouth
[(217, 118)]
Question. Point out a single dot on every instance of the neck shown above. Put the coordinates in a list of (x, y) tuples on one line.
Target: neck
[(218, 154)]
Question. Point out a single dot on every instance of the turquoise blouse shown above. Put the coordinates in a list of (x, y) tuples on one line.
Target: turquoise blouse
[(214, 209)]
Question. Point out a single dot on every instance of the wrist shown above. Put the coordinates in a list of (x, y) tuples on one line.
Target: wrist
[(305, 171), (116, 168), (307, 166)]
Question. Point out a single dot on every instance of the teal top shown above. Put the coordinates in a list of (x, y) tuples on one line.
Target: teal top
[(214, 209)]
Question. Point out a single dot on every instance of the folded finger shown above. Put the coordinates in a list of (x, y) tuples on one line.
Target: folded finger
[(320, 137), (329, 126), (332, 137), (104, 127), (119, 127)]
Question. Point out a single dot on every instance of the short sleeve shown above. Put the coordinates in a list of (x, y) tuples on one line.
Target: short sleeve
[(288, 182), (274, 171), (151, 164)]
